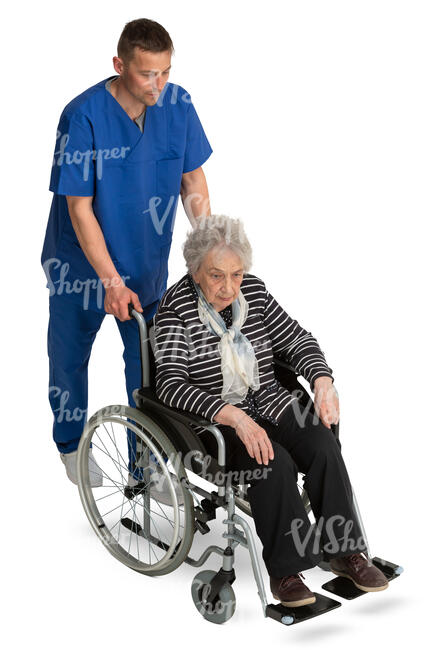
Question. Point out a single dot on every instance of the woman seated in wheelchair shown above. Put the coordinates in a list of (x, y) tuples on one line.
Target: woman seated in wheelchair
[(216, 333)]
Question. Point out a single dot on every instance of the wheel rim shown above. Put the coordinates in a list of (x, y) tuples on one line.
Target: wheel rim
[(133, 524)]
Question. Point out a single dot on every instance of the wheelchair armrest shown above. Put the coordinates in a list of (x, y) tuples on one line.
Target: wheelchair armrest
[(149, 396), (284, 364)]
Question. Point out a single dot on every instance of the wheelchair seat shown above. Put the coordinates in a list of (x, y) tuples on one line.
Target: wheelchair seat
[(179, 423), (151, 529)]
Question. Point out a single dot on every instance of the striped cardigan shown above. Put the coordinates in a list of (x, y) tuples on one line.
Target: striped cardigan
[(188, 363)]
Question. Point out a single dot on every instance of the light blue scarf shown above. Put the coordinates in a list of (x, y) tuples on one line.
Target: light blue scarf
[(239, 365)]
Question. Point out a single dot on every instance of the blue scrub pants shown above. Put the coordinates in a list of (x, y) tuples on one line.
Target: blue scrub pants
[(71, 333)]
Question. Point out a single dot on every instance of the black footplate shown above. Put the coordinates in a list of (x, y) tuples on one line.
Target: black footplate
[(345, 588), (292, 615)]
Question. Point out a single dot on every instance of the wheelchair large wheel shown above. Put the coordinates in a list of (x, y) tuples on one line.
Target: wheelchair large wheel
[(147, 533)]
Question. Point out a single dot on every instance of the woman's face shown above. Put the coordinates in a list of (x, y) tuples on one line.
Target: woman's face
[(220, 276)]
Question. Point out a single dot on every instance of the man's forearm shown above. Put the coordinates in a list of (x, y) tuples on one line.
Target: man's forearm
[(92, 241), (194, 195)]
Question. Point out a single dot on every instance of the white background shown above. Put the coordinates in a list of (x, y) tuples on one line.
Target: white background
[(315, 112)]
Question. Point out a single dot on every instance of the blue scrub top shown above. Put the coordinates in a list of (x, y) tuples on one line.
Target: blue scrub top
[(134, 179)]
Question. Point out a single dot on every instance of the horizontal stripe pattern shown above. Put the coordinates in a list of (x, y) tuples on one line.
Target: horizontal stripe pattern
[(189, 365)]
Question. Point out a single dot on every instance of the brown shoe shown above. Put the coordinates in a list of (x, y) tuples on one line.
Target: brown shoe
[(291, 591), (365, 576)]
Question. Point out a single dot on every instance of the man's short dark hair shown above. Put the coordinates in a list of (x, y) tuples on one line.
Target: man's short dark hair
[(146, 34)]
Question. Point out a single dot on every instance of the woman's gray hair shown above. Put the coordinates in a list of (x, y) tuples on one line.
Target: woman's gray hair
[(212, 231)]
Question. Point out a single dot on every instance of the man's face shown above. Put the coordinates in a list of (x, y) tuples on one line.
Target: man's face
[(145, 75)]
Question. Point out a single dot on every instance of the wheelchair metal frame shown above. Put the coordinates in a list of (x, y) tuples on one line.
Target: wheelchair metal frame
[(146, 399), (176, 426)]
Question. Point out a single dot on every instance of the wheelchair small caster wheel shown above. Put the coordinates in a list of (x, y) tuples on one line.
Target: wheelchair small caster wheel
[(224, 605), (287, 620)]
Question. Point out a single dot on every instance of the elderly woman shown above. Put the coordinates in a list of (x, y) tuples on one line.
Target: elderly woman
[(217, 331)]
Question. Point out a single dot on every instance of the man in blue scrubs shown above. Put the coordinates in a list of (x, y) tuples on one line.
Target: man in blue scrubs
[(126, 149)]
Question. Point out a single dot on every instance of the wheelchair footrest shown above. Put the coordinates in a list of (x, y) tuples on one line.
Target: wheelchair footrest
[(345, 588), (292, 615)]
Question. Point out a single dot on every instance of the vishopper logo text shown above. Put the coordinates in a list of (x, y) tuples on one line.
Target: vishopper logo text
[(63, 286), (84, 158), (335, 544), (62, 412), (192, 343)]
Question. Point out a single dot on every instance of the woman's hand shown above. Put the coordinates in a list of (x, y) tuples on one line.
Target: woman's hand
[(326, 402), (253, 436), (255, 439)]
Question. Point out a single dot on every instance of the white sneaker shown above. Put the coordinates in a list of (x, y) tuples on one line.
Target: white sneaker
[(159, 488), (70, 462)]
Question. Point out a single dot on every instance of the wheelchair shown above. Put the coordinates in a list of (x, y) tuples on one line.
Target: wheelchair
[(138, 448)]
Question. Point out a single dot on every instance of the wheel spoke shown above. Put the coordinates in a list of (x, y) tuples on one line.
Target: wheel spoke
[(132, 507), (113, 439)]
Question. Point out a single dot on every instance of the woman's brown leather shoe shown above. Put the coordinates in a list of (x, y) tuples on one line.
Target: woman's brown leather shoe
[(291, 591), (365, 576)]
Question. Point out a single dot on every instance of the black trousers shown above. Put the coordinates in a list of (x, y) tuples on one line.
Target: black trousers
[(291, 543)]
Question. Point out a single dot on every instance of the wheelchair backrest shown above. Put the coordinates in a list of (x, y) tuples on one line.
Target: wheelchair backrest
[(151, 346)]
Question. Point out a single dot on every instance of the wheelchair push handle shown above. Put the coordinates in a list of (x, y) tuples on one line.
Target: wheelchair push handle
[(144, 343), (132, 311)]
